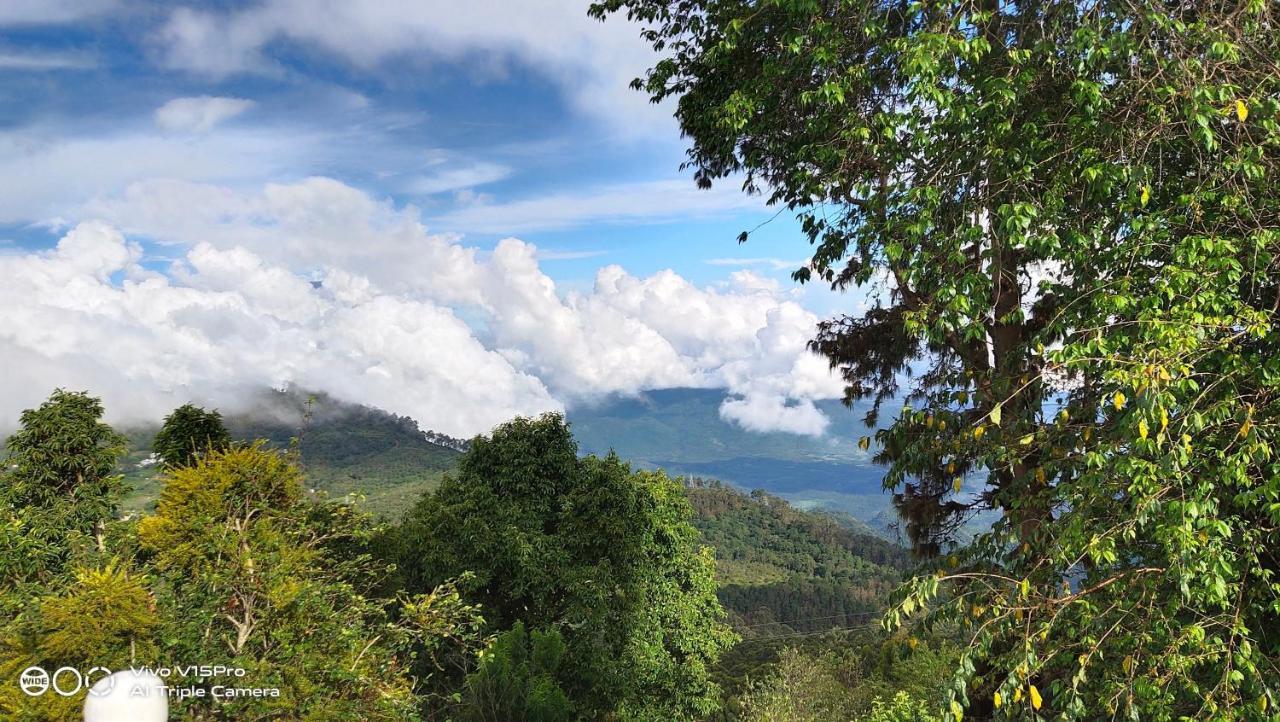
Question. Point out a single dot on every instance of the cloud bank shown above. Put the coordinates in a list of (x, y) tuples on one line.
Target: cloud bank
[(319, 285)]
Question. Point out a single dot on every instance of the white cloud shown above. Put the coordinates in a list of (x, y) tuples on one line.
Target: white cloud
[(647, 202), (767, 412), (29, 62), (776, 264), (456, 174), (198, 114), (230, 323), (36, 12), (45, 174), (592, 62), (386, 325)]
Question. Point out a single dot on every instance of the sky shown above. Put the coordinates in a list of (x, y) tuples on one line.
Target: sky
[(457, 212)]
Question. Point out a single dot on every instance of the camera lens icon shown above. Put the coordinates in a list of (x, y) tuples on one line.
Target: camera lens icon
[(34, 681)]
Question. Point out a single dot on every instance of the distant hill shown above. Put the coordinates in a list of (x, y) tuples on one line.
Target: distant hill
[(778, 566), (348, 448), (345, 448), (785, 570), (680, 430)]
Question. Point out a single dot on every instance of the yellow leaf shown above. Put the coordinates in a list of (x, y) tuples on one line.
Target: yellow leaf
[(1203, 536), (1088, 434), (957, 484), (864, 443), (957, 710), (1262, 703), (1118, 400), (951, 467), (1017, 695), (1040, 475), (1164, 374), (997, 700), (1244, 428), (912, 642), (1127, 664), (978, 432), (928, 421), (942, 425), (1142, 429), (1026, 440), (1164, 419), (1017, 614), (1146, 194), (1025, 587), (995, 415), (1242, 111), (1035, 697)]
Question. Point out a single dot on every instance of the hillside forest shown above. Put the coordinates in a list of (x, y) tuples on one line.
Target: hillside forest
[(525, 581)]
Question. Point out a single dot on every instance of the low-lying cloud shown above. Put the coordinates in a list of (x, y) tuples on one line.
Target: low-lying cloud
[(319, 285)]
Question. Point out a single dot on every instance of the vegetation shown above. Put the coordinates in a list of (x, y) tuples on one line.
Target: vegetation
[(345, 448), (1067, 215), (516, 679), (235, 568), (585, 547), (783, 570), (187, 433)]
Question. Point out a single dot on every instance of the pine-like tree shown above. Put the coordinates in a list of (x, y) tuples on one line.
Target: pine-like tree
[(188, 432)]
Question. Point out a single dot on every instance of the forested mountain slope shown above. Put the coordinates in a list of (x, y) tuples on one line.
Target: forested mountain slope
[(779, 569), (345, 448), (784, 570)]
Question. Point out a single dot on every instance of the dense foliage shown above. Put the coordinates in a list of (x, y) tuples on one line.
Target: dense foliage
[(586, 547), (234, 568), (188, 432), (534, 585), (781, 570), (1066, 217), (58, 486)]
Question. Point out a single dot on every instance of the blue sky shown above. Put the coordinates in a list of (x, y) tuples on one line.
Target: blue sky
[(482, 125), (396, 143)]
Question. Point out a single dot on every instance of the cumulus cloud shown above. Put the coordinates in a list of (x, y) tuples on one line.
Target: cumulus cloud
[(229, 323), (317, 284), (199, 114)]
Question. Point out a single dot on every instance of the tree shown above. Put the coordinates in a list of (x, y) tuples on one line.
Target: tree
[(516, 680), (188, 432), (246, 577), (1066, 217), (585, 547), (58, 487)]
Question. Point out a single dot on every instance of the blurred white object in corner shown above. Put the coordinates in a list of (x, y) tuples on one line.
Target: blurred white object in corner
[(127, 696)]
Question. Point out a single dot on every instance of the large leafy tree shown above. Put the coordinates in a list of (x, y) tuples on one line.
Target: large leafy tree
[(588, 548), (188, 432), (1066, 217), (246, 576), (58, 486)]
